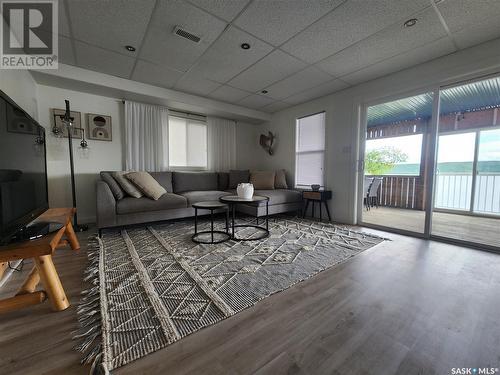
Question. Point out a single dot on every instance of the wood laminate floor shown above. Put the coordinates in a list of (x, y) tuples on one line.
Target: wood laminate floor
[(406, 306)]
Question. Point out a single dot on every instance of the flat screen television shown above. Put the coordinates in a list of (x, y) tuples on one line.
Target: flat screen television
[(23, 170)]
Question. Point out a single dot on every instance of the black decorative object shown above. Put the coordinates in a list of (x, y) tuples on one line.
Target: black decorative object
[(67, 120), (267, 142)]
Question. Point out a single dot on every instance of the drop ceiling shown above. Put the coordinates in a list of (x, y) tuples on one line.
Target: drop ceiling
[(300, 49)]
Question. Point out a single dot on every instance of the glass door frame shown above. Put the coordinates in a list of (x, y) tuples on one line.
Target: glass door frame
[(431, 147), (432, 157)]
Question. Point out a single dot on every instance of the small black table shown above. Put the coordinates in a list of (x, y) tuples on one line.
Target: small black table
[(321, 196), (256, 200), (211, 206)]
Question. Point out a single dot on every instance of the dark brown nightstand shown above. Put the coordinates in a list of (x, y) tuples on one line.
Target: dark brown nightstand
[(321, 196)]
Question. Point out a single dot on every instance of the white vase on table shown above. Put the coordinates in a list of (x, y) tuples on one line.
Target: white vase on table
[(245, 190)]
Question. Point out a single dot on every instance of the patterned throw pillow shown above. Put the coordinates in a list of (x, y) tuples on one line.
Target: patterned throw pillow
[(126, 185), (146, 184)]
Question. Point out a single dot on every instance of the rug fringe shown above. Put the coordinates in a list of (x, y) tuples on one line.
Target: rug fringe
[(89, 331)]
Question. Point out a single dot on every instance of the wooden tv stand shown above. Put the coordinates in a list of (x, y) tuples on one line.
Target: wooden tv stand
[(41, 251)]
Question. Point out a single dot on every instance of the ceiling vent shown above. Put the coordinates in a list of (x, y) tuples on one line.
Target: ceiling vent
[(183, 33)]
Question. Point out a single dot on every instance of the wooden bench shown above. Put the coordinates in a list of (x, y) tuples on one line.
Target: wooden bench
[(41, 251)]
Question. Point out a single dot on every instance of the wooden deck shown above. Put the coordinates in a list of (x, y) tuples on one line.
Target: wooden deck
[(481, 230)]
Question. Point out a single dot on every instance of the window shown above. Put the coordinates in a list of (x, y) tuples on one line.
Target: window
[(187, 140), (310, 150)]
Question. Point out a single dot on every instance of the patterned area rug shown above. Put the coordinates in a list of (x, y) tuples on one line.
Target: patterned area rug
[(152, 286)]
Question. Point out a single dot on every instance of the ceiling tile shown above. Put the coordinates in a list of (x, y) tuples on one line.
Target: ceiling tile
[(298, 82), (349, 23), (275, 107), (157, 75), (487, 29), (389, 42), (65, 51), (196, 84), (66, 55), (63, 24), (255, 101), (416, 56), (110, 24), (228, 94), (459, 14), (275, 66), (161, 46), (225, 9), (226, 58), (103, 60), (277, 21), (318, 91)]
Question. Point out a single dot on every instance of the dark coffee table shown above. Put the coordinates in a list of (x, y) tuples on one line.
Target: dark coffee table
[(256, 200), (211, 206)]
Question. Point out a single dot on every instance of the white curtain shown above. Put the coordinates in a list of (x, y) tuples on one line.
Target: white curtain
[(146, 137), (221, 144)]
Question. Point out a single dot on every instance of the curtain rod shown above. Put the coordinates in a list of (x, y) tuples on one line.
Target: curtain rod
[(178, 111)]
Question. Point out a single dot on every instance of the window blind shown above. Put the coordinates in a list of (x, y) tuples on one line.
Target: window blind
[(187, 142), (310, 150)]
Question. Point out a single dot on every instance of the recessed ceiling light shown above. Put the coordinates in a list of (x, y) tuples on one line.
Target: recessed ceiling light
[(245, 46), (411, 22), (130, 48), (264, 91)]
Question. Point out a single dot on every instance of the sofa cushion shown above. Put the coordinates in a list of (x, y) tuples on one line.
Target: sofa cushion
[(126, 185), (167, 201), (146, 184), (201, 196), (262, 179), (164, 179), (237, 177), (194, 181), (280, 179), (279, 196), (116, 190), (222, 181)]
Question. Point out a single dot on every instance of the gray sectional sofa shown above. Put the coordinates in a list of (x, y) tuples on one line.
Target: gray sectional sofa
[(183, 189)]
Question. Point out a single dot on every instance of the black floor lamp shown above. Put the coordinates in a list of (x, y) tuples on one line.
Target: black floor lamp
[(67, 120)]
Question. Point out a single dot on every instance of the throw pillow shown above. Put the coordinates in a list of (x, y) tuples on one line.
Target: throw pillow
[(237, 177), (146, 184), (280, 180), (262, 180), (116, 190), (126, 185)]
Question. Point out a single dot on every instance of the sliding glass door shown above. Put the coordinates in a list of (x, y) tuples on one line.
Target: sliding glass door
[(395, 164), (435, 173), (467, 174)]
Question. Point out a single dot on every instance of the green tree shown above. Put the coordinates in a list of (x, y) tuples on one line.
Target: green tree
[(380, 161)]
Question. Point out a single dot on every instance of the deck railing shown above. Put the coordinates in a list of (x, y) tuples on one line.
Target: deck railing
[(453, 192), (401, 192)]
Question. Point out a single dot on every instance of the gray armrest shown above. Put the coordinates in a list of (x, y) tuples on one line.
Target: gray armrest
[(106, 206)]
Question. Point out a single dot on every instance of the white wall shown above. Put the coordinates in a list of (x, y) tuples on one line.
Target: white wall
[(343, 122), (22, 88), (247, 138), (102, 155)]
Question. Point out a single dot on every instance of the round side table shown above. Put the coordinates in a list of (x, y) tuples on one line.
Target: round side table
[(256, 201), (211, 206)]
